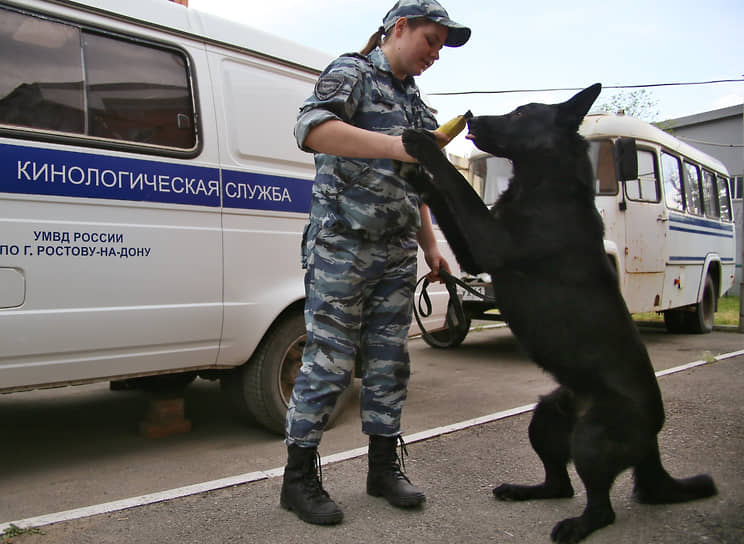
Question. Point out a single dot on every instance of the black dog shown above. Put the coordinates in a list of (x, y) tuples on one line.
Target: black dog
[(542, 244)]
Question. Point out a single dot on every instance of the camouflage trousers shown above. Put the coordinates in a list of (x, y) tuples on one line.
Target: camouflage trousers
[(359, 303)]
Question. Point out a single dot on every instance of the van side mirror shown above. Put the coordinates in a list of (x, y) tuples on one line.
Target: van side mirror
[(626, 159)]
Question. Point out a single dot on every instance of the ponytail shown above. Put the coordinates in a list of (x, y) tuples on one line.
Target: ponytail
[(375, 40)]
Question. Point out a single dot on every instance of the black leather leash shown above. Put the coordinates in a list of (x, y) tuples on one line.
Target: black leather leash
[(455, 311)]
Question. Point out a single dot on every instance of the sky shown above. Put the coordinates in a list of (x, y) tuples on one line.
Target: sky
[(539, 44)]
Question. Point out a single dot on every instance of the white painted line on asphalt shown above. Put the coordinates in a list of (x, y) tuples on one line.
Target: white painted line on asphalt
[(179, 492)]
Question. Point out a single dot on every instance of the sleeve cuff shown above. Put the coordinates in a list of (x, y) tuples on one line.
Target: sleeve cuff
[(309, 120)]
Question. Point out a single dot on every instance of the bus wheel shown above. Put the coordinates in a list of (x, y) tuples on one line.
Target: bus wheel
[(675, 321), (701, 320)]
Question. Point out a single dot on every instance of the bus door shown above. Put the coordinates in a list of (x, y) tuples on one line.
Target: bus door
[(645, 234)]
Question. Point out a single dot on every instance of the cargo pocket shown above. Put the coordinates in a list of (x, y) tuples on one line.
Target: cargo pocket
[(361, 200)]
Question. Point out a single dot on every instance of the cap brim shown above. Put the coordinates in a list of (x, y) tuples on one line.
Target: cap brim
[(458, 34)]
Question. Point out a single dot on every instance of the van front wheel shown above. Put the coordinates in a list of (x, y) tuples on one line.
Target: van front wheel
[(261, 388)]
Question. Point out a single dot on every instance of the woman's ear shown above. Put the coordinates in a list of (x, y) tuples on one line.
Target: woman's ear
[(400, 25)]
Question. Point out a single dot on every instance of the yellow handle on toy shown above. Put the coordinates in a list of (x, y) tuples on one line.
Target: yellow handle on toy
[(454, 126)]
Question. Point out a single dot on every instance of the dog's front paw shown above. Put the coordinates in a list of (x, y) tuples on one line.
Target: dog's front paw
[(415, 175), (420, 144)]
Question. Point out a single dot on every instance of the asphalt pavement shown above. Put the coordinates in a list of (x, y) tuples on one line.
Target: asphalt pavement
[(703, 433)]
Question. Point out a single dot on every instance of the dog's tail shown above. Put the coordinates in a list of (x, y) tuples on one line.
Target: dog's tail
[(654, 485)]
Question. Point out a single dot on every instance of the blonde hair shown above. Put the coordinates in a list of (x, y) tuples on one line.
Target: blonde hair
[(375, 40)]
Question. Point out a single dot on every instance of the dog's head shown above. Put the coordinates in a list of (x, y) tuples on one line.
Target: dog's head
[(533, 128)]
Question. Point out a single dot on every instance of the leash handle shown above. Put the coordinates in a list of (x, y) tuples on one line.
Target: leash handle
[(449, 278), (456, 321)]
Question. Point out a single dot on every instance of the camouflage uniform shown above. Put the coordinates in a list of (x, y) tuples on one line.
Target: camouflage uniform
[(359, 251)]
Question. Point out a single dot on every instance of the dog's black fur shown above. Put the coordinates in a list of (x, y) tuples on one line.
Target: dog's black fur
[(542, 244)]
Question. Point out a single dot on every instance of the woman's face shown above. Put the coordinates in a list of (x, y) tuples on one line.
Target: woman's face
[(417, 46)]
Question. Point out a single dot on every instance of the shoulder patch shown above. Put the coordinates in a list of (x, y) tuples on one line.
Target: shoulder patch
[(328, 85)]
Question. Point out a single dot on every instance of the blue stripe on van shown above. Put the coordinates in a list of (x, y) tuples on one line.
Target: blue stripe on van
[(247, 190), (41, 171)]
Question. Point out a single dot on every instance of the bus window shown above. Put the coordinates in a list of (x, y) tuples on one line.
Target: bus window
[(724, 198), (646, 187), (692, 189), (670, 170), (710, 197), (602, 157)]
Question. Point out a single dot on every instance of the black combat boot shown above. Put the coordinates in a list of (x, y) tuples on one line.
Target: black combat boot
[(385, 477), (302, 488)]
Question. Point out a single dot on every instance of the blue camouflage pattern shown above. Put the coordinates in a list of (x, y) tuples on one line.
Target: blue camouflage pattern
[(360, 254), (358, 305), (364, 194)]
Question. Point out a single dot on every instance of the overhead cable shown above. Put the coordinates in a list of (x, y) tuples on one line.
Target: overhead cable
[(648, 85)]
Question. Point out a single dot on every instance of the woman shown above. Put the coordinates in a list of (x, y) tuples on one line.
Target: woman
[(359, 250)]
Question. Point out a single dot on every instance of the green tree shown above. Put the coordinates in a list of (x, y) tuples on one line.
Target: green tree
[(639, 103)]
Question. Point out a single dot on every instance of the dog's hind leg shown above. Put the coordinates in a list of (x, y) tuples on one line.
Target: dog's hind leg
[(654, 485), (606, 440), (549, 431)]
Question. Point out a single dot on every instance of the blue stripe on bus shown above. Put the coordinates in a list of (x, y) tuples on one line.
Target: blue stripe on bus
[(701, 222), (676, 258), (705, 232)]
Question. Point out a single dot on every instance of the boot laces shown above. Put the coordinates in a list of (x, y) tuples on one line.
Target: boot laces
[(314, 479), (399, 464)]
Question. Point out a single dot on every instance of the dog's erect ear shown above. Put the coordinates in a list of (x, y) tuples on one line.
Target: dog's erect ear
[(573, 110)]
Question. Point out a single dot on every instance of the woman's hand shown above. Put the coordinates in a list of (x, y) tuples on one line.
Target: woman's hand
[(436, 262)]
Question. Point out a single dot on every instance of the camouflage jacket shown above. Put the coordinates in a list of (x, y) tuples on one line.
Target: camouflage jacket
[(363, 194)]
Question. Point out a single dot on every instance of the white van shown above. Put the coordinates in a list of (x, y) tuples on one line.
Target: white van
[(669, 229), (152, 199)]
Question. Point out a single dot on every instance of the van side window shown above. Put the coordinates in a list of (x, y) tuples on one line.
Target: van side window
[(672, 175), (692, 189), (137, 93), (114, 88), (724, 198), (646, 187), (41, 82), (710, 196)]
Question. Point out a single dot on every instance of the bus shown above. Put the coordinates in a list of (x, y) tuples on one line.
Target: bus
[(669, 227)]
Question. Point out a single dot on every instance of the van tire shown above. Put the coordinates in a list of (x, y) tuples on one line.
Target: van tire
[(700, 321), (260, 389)]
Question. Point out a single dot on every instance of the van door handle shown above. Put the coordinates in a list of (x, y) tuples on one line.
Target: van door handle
[(662, 219)]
